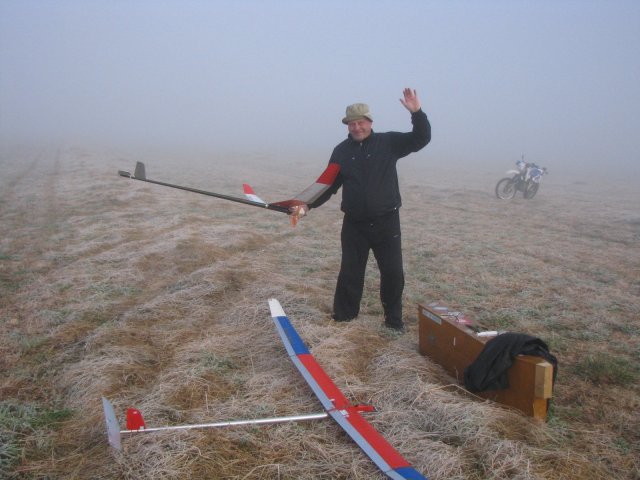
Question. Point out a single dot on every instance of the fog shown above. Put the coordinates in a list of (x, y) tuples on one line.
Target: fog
[(556, 81)]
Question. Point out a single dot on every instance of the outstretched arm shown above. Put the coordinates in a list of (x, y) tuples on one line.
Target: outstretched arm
[(410, 101)]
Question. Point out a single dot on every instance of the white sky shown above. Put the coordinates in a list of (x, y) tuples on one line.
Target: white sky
[(558, 81)]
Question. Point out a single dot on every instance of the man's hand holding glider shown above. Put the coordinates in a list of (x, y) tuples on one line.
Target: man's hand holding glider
[(297, 212)]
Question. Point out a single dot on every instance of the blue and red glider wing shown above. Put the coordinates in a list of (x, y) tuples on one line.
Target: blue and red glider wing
[(338, 406)]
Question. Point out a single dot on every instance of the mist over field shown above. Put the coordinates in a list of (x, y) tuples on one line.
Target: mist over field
[(157, 298), (553, 81)]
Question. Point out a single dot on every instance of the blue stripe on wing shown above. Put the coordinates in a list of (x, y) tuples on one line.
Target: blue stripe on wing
[(296, 342)]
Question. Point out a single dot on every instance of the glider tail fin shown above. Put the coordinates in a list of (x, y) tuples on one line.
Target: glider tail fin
[(135, 420), (139, 172), (113, 429)]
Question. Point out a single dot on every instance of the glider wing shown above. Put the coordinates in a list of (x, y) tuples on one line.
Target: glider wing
[(336, 404), (139, 174), (316, 189), (307, 196)]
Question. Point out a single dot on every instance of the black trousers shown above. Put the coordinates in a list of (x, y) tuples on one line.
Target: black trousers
[(382, 235)]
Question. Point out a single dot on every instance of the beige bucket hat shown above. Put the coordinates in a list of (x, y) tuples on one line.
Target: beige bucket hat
[(357, 111)]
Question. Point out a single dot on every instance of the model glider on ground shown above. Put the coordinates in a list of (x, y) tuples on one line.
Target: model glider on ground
[(334, 402), (306, 197)]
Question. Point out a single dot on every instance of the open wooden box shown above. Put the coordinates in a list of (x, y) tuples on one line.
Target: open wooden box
[(454, 341)]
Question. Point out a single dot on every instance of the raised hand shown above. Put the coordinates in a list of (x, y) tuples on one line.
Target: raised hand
[(410, 101)]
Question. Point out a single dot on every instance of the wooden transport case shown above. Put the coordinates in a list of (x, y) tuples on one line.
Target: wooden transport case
[(451, 339)]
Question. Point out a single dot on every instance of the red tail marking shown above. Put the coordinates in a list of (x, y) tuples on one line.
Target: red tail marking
[(135, 420)]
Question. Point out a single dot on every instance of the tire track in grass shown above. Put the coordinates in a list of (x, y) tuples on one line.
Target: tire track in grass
[(29, 246), (13, 180), (24, 210), (12, 216), (90, 308)]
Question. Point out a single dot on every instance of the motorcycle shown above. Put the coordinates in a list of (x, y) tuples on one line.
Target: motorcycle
[(525, 179)]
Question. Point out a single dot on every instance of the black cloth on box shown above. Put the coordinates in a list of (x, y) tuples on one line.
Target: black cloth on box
[(489, 370)]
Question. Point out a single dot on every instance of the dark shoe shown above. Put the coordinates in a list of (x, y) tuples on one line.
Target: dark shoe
[(398, 328), (341, 320)]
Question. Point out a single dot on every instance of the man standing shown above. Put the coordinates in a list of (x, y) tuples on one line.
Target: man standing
[(371, 202)]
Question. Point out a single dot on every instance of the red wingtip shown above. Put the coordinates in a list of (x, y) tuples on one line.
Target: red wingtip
[(247, 189), (330, 174), (135, 420)]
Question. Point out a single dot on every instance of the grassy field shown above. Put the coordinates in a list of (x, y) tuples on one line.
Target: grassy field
[(157, 298)]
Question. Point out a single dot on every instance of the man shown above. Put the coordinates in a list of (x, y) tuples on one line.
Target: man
[(371, 202)]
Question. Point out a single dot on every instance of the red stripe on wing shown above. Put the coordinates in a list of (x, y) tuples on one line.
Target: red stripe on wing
[(340, 402), (376, 440), (330, 389)]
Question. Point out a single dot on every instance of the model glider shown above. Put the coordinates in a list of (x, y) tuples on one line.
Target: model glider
[(336, 404), (307, 196)]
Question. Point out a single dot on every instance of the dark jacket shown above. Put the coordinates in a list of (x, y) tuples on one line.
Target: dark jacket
[(489, 370), (368, 169)]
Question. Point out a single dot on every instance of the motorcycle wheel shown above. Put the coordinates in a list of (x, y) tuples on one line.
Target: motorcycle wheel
[(505, 189), (531, 190)]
